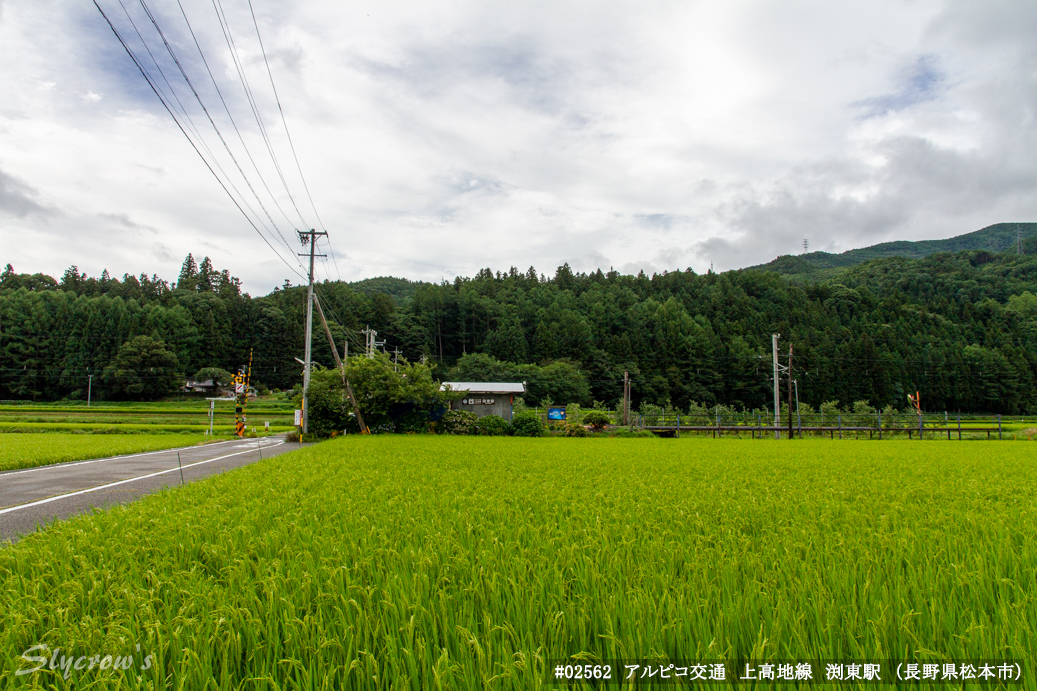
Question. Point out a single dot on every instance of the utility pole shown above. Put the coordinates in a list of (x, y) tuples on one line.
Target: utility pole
[(370, 343), (777, 383), (89, 388), (626, 398), (806, 245), (790, 393), (309, 237)]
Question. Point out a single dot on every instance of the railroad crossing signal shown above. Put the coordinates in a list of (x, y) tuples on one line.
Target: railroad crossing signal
[(241, 382), (239, 403)]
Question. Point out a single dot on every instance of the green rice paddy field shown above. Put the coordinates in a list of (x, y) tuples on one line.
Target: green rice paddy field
[(468, 563), (31, 450), (136, 418)]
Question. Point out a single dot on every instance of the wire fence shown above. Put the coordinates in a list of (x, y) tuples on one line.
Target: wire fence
[(839, 425)]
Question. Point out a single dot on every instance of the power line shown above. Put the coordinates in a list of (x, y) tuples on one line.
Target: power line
[(291, 144), (253, 103), (228, 37), (216, 128), (350, 334), (187, 116), (180, 126), (281, 111), (154, 60), (229, 115)]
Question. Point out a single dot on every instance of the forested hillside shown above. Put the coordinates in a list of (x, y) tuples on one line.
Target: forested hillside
[(961, 328)]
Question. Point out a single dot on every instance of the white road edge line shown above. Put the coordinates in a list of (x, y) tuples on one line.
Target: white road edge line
[(122, 482)]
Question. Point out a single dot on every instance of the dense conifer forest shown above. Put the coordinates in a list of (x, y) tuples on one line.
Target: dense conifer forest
[(961, 328)]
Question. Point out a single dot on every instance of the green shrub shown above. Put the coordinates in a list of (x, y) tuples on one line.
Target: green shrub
[(459, 422), (393, 397), (493, 426), (527, 424), (596, 419), (573, 413), (574, 429)]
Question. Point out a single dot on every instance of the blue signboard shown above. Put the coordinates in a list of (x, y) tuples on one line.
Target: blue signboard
[(556, 413)]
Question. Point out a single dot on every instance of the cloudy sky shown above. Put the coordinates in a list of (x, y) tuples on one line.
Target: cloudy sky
[(436, 139)]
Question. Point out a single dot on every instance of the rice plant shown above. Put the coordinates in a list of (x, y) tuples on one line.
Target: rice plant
[(470, 562), (35, 449)]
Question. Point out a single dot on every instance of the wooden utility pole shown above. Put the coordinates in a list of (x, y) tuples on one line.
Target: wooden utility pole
[(626, 398), (777, 386), (309, 237), (342, 370), (790, 392)]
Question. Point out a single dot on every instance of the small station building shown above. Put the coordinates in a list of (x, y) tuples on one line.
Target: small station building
[(486, 398)]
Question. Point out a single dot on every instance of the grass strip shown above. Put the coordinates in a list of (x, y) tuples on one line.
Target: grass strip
[(108, 428), (31, 450)]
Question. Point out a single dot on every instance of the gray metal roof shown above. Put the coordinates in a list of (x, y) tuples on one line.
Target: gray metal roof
[(484, 387)]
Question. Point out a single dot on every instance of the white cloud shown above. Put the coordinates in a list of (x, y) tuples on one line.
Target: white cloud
[(440, 139)]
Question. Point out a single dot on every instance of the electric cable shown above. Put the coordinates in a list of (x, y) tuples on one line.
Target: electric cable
[(209, 115), (229, 39), (216, 128), (291, 143), (190, 121), (285, 122), (166, 105)]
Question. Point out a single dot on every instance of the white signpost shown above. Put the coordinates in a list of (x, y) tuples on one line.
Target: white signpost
[(212, 410)]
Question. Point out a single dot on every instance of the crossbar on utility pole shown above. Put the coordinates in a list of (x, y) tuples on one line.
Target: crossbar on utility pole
[(310, 237)]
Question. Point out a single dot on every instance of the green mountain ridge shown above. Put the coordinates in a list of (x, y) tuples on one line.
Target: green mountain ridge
[(995, 238), (999, 237), (400, 289)]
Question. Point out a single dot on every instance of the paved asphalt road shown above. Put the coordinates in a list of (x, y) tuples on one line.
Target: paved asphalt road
[(33, 498)]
